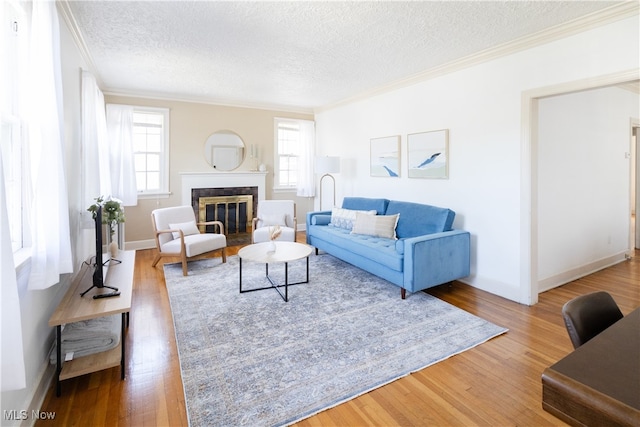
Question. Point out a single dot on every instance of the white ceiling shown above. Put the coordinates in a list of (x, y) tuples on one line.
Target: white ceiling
[(293, 55)]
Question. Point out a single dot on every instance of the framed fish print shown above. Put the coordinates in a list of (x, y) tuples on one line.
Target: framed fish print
[(385, 156), (428, 154)]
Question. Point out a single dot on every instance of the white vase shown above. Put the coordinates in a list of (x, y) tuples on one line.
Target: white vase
[(113, 249), (271, 247)]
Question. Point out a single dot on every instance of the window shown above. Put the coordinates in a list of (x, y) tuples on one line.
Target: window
[(13, 57), (151, 150), (287, 153)]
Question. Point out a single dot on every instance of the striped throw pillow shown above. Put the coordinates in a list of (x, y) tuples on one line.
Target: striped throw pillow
[(376, 225)]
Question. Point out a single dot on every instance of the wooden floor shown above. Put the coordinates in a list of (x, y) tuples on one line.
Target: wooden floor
[(496, 383)]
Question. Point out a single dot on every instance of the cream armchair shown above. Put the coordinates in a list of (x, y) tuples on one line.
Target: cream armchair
[(273, 213), (177, 235)]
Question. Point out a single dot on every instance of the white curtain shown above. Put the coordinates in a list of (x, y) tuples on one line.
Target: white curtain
[(95, 158), (47, 206), (306, 185), (13, 373), (122, 168)]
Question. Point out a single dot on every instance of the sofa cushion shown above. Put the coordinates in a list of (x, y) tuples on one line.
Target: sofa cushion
[(379, 250), (344, 218), (418, 219), (366, 204), (376, 225)]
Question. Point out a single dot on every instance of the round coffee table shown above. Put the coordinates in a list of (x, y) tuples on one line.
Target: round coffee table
[(285, 252)]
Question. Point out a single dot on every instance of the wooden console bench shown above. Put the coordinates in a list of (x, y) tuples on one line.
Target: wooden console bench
[(74, 308)]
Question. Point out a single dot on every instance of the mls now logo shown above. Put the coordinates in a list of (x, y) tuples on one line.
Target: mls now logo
[(42, 415), (16, 415)]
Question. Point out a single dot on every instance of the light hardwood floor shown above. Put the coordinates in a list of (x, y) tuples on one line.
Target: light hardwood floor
[(496, 383)]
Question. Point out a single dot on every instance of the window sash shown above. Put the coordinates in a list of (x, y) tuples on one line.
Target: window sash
[(287, 135), (151, 149)]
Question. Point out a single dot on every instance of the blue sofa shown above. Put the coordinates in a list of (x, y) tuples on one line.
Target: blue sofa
[(427, 251)]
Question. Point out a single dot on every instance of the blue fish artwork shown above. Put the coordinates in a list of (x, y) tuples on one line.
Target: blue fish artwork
[(429, 160)]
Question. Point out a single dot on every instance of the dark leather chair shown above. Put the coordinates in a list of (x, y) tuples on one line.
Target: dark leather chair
[(588, 315)]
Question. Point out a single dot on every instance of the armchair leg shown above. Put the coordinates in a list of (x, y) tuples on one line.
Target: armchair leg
[(403, 293), (184, 265), (155, 260), (224, 255)]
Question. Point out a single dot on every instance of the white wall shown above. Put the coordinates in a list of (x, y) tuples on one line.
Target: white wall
[(481, 107), (37, 306), (584, 193)]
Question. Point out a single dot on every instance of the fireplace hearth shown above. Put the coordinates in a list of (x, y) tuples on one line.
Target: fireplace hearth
[(233, 206), (195, 185)]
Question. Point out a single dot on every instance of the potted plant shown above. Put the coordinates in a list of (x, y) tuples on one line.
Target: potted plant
[(112, 215)]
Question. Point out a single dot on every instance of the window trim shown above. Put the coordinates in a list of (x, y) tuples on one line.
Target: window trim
[(164, 161), (15, 37), (277, 187)]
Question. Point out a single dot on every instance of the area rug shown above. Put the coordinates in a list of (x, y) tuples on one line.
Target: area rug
[(254, 359)]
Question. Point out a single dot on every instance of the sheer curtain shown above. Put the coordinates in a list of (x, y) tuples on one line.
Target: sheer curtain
[(13, 373), (122, 168), (95, 155), (306, 186), (47, 206)]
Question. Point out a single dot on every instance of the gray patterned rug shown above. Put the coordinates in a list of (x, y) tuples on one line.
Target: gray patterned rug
[(253, 359)]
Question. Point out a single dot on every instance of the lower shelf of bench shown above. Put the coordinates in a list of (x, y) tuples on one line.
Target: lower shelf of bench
[(92, 363)]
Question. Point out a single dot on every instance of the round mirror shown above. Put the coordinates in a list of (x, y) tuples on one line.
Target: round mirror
[(224, 150)]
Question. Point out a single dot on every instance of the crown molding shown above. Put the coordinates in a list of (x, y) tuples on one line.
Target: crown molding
[(587, 22), (65, 11), (209, 101), (631, 86), (558, 32)]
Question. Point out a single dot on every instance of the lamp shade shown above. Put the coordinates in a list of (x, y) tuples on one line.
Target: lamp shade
[(327, 164)]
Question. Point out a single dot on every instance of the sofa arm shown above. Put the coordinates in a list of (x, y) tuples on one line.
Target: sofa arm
[(435, 259), (313, 218)]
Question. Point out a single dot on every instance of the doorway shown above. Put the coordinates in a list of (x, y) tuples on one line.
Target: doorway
[(531, 172)]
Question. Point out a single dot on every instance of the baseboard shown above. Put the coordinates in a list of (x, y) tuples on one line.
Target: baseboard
[(47, 376), (492, 286), (140, 244), (578, 272)]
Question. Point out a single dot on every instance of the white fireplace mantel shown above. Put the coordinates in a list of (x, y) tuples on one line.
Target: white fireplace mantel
[(191, 180)]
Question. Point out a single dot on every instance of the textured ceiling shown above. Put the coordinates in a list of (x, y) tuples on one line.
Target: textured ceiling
[(302, 54)]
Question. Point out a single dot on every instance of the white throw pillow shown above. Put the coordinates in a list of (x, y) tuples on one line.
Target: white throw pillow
[(344, 218), (376, 225), (273, 219), (187, 228)]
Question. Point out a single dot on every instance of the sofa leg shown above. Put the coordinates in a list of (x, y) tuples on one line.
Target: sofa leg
[(403, 293)]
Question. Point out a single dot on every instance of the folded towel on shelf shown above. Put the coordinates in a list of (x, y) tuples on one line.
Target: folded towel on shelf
[(89, 337)]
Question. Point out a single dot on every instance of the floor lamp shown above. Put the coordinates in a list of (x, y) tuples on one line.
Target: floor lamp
[(326, 166)]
